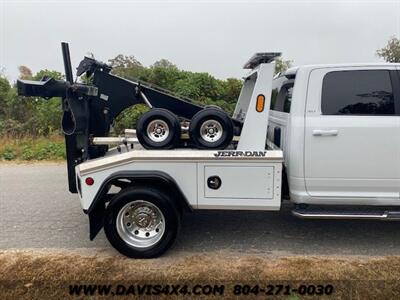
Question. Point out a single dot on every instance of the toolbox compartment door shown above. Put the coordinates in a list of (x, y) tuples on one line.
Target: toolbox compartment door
[(239, 181), (244, 185)]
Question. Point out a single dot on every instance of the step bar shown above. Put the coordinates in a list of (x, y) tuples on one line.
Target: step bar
[(346, 215)]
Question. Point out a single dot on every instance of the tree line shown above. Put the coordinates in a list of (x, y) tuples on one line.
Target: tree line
[(22, 116)]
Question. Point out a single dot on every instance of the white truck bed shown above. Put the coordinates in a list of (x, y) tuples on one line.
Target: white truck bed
[(250, 179)]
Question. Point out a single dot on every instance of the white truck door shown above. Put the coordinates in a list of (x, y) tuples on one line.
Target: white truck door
[(352, 135)]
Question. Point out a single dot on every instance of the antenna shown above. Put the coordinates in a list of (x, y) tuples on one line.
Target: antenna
[(67, 63)]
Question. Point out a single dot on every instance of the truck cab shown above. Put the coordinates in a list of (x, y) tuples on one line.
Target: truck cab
[(339, 129)]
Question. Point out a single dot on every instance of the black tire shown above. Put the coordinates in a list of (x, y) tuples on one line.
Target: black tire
[(156, 197), (212, 106), (207, 115), (147, 140)]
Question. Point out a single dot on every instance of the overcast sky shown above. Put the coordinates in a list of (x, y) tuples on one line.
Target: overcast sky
[(204, 36)]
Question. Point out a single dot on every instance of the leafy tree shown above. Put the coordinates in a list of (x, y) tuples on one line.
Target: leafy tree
[(124, 62), (48, 74), (164, 63), (163, 73), (391, 52), (231, 89), (129, 117), (25, 72), (47, 115), (207, 85), (282, 65), (185, 89), (29, 115), (4, 92), (127, 66)]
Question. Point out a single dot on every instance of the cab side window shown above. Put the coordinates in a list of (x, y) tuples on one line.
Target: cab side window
[(359, 92), (287, 102), (276, 86), (281, 97)]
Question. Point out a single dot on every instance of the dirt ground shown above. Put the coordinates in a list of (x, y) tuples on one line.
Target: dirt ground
[(47, 274)]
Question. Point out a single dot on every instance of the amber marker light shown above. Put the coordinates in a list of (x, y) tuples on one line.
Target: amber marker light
[(260, 103)]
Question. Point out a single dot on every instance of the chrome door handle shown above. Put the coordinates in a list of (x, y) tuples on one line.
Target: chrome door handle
[(320, 132)]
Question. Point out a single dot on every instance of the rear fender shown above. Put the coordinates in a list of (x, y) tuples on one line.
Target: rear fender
[(154, 179)]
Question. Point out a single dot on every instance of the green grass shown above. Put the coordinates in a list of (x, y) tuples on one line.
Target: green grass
[(32, 149)]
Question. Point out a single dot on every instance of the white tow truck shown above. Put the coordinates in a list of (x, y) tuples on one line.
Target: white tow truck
[(326, 137)]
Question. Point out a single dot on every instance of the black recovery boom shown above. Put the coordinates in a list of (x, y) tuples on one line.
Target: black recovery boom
[(89, 109)]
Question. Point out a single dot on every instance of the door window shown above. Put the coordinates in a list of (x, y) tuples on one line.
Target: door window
[(360, 92)]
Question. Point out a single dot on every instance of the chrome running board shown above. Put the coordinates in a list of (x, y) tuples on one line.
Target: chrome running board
[(345, 214)]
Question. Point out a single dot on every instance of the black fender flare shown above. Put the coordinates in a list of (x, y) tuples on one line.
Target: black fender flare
[(157, 179)]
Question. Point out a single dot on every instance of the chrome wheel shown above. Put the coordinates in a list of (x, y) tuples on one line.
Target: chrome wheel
[(158, 130), (211, 131), (140, 224)]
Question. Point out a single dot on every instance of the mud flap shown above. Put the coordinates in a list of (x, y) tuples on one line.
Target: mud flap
[(96, 219)]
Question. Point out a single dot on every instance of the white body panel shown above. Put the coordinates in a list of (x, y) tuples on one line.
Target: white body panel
[(184, 174), (257, 176), (254, 128)]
